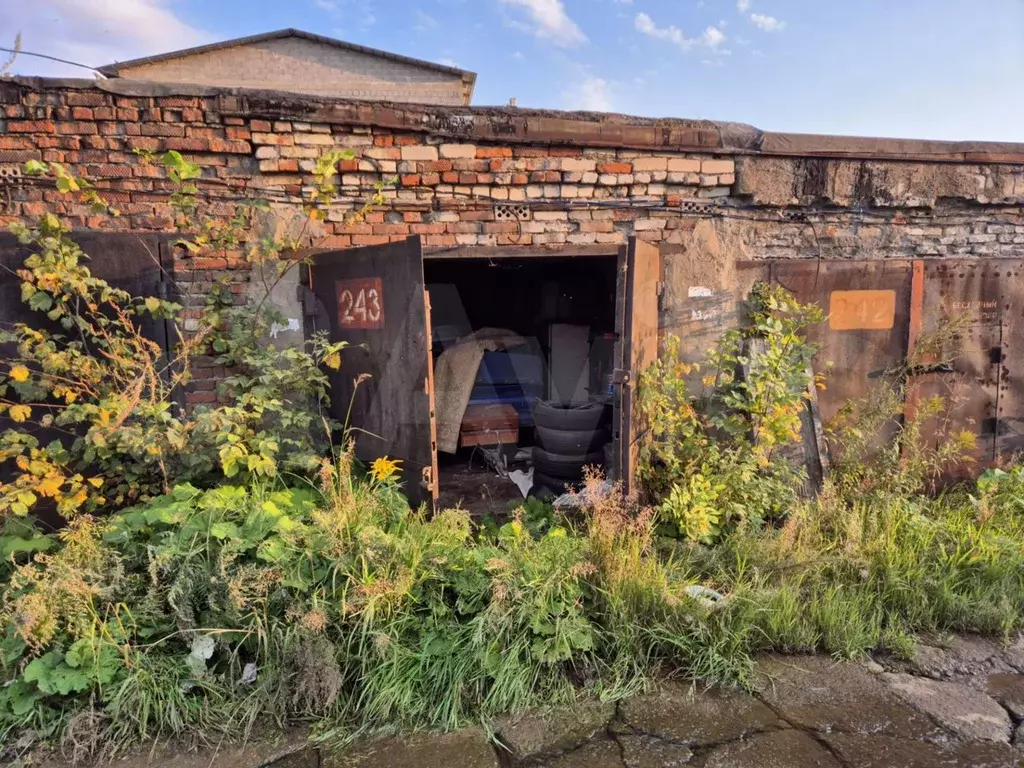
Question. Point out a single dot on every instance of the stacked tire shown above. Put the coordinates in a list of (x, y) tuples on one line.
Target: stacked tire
[(569, 438)]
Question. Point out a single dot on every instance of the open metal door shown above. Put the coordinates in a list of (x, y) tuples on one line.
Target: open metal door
[(637, 321), (374, 299)]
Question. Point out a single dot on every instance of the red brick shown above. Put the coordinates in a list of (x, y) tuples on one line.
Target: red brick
[(450, 178), (485, 214), (411, 180), (112, 171), (288, 165), (391, 229), (615, 168), (15, 142), (467, 178), (234, 121), (18, 155), (177, 101), (441, 241), (370, 239), (412, 217), (230, 147), (104, 113), (128, 114), (188, 145), (140, 142), (275, 139), (192, 115), (492, 152), (348, 166), (520, 178), (261, 125), (14, 110), (430, 179), (408, 141), (200, 398), (238, 133), (384, 141), (206, 262), (81, 113), (436, 166), (162, 129), (86, 99), (501, 227), (30, 126), (426, 229)]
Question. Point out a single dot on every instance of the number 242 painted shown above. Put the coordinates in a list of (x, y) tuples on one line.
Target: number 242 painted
[(360, 303)]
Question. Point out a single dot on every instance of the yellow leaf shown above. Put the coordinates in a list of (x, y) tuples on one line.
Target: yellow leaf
[(50, 486), (152, 304), (333, 361), (19, 373), (96, 482), (20, 413)]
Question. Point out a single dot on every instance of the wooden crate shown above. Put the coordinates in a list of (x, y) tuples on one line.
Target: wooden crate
[(489, 425)]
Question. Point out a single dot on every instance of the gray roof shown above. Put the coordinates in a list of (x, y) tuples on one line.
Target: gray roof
[(114, 70)]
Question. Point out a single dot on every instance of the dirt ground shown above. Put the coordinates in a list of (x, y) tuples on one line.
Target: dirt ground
[(477, 489)]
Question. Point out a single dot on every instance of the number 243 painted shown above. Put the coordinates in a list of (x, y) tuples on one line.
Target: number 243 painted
[(360, 303)]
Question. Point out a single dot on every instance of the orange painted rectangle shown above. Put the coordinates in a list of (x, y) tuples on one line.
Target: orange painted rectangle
[(861, 310), (360, 303)]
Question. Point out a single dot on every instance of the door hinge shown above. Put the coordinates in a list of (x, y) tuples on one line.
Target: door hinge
[(428, 479), (620, 376)]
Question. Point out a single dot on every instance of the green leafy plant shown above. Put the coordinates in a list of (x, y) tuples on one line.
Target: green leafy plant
[(713, 457)]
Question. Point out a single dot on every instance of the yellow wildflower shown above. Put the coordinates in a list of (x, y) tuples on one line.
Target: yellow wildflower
[(383, 468), (19, 373)]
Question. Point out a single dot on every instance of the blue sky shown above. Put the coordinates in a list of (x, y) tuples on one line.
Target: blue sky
[(944, 69)]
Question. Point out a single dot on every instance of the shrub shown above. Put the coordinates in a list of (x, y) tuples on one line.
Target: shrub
[(715, 457), (112, 395)]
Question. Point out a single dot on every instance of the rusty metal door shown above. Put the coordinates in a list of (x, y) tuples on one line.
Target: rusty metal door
[(637, 321), (374, 299), (868, 308), (970, 310)]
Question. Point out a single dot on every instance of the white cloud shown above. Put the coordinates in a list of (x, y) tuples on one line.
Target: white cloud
[(742, 5), (712, 37), (96, 32), (671, 33), (767, 23), (592, 94), (549, 20)]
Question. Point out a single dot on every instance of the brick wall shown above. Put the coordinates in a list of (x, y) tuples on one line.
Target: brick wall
[(306, 66), (513, 180)]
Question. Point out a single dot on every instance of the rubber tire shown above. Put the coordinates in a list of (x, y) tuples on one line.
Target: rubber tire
[(564, 467), (551, 484), (580, 418), (571, 443)]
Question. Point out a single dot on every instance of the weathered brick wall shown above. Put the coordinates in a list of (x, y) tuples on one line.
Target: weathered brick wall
[(712, 195), (305, 66)]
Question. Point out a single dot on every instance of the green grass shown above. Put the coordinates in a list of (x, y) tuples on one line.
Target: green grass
[(356, 616)]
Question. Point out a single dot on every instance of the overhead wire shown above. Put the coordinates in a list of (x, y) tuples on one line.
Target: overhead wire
[(22, 52)]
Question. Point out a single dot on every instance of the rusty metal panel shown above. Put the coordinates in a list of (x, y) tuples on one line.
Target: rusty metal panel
[(1010, 402), (962, 314), (867, 332)]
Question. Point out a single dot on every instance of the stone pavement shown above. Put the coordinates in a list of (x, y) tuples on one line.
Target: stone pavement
[(960, 706)]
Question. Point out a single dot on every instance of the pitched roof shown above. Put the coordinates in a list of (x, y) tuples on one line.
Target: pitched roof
[(114, 70)]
